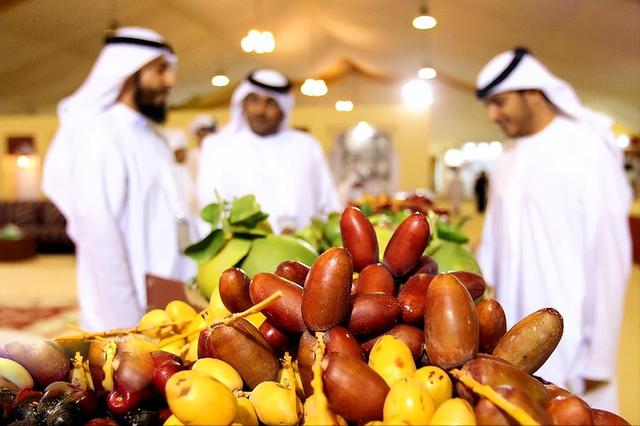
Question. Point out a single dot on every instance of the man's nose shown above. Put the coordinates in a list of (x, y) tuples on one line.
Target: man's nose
[(492, 113), (170, 78)]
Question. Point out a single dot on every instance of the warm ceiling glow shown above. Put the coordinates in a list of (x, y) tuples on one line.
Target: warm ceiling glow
[(220, 80), (417, 94), (427, 73), (424, 22), (258, 42), (344, 106), (312, 87)]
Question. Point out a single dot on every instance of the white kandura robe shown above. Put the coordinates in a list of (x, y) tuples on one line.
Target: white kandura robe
[(287, 172), (556, 235), (124, 217)]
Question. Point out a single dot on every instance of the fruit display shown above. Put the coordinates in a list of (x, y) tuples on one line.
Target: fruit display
[(359, 336)]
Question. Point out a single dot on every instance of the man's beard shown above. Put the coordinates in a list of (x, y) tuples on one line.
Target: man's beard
[(143, 99)]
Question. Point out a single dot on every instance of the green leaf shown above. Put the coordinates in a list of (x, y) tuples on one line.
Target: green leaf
[(244, 231), (211, 213), (206, 248), (243, 208), (253, 220)]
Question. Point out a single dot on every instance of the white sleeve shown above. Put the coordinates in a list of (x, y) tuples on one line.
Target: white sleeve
[(326, 189), (106, 285), (204, 182), (608, 263)]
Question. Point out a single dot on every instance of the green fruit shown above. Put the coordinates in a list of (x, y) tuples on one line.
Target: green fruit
[(209, 273), (383, 235), (331, 230), (454, 257), (267, 253)]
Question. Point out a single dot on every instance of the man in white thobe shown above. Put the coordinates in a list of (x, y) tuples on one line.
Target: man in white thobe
[(556, 232), (110, 173), (258, 153)]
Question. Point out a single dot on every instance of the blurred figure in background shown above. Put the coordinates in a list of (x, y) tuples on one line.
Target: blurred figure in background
[(556, 232), (259, 153), (201, 126), (178, 142), (481, 191), (455, 191), (110, 172)]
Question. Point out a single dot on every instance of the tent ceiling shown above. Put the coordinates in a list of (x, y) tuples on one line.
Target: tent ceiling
[(48, 46)]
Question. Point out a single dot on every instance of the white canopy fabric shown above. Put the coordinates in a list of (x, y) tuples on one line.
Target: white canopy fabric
[(48, 46)]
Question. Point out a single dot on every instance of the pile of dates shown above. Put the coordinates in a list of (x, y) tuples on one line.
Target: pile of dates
[(351, 339)]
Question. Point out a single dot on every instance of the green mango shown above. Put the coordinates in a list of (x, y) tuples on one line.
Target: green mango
[(267, 253), (209, 272), (451, 256), (383, 236)]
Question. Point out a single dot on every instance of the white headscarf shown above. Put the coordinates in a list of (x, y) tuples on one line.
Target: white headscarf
[(202, 121), (519, 70), (259, 82), (176, 139), (126, 51)]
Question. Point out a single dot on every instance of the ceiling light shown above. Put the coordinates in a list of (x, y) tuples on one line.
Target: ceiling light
[(417, 94), (220, 80), (362, 131), (258, 42), (623, 141), (344, 106), (424, 21), (427, 73), (313, 87), (453, 158)]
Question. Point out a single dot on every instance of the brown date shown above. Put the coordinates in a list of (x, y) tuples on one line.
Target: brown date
[(426, 265), (407, 244), (345, 380), (242, 346), (604, 417), (494, 372), (285, 312), (372, 313), (293, 271), (569, 410), (325, 301), (305, 361), (234, 290), (277, 339), (492, 323), (376, 278), (450, 323), (412, 298), (474, 283), (359, 238), (531, 340), (412, 336), (488, 414), (340, 340)]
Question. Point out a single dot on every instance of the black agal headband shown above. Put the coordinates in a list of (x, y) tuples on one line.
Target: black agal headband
[(137, 41), (519, 54), (278, 89)]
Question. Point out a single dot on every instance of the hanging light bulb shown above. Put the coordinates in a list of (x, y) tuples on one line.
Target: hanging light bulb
[(427, 73), (313, 87), (258, 42), (220, 80), (424, 21), (344, 106), (417, 95)]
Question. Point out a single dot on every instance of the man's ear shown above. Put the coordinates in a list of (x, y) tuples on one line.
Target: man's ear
[(128, 88)]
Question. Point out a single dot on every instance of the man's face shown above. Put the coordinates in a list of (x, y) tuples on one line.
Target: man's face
[(263, 114), (153, 84), (512, 112)]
